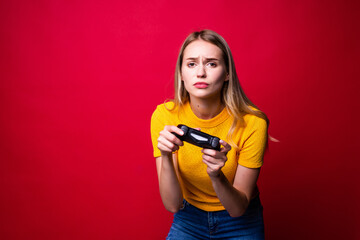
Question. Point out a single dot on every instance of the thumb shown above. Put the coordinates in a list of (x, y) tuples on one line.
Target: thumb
[(226, 147)]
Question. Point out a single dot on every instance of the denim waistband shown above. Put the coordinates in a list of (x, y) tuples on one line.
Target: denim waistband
[(193, 223), (254, 203)]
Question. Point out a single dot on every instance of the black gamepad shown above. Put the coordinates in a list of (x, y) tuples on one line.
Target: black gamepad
[(198, 138)]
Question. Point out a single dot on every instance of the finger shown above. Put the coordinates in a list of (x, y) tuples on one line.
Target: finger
[(216, 155), (217, 160), (174, 129), (209, 159), (210, 164), (168, 133), (209, 152), (226, 147), (164, 148), (199, 129), (172, 138), (169, 144)]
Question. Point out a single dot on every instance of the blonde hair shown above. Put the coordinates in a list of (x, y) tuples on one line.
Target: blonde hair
[(232, 95)]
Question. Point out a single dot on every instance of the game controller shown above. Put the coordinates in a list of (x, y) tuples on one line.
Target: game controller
[(198, 138)]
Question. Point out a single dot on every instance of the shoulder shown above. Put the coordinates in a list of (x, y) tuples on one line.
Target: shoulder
[(255, 123), (165, 107), (255, 120), (164, 110)]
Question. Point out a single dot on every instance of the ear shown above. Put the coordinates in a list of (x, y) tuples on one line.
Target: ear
[(227, 77)]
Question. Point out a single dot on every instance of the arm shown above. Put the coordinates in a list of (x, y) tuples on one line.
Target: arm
[(166, 165), (235, 198)]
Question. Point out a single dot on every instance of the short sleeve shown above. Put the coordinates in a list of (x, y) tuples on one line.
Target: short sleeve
[(156, 127), (253, 148)]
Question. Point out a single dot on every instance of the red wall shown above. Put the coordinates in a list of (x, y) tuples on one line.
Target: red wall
[(80, 79)]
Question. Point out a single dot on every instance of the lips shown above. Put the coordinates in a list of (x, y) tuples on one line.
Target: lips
[(201, 85)]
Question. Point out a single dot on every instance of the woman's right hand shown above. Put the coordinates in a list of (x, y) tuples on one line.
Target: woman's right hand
[(167, 141)]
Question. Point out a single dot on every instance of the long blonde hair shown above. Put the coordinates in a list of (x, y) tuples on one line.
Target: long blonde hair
[(232, 95)]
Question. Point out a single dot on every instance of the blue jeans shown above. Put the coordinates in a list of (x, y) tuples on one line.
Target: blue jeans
[(193, 223)]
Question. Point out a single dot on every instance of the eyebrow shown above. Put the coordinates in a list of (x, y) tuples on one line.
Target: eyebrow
[(208, 59)]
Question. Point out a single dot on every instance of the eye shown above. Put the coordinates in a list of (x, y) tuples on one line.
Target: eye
[(212, 64), (191, 64)]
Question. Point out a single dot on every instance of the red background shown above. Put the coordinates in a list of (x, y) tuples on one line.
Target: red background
[(80, 79)]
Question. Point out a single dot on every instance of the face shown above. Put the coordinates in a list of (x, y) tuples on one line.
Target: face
[(203, 70)]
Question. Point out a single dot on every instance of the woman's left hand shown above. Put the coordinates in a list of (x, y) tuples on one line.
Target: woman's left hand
[(215, 160)]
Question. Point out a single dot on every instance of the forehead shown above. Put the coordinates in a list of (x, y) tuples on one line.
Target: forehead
[(202, 48)]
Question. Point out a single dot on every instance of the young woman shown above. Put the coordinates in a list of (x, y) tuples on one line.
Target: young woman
[(212, 193)]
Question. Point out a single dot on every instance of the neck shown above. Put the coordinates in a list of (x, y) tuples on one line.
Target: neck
[(206, 108)]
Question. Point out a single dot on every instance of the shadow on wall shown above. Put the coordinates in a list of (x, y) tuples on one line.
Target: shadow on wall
[(305, 203)]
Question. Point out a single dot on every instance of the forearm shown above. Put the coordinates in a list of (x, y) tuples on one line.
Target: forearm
[(234, 201), (170, 190)]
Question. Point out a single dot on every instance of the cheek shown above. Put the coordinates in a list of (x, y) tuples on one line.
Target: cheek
[(220, 77), (184, 79), (186, 85), (185, 76)]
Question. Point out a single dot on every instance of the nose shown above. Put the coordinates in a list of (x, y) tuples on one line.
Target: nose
[(201, 73)]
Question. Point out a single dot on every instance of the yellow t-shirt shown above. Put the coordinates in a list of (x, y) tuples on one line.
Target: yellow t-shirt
[(195, 182)]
